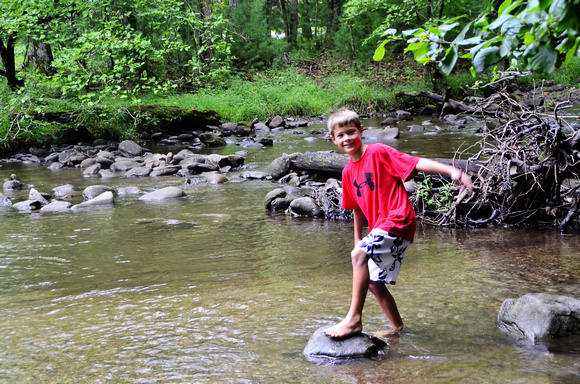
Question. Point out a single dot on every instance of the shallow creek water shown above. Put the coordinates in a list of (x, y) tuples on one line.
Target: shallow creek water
[(214, 289)]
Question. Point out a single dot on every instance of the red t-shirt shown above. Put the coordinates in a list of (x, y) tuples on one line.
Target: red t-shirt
[(375, 184)]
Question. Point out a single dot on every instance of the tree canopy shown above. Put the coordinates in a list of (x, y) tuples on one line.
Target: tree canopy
[(535, 35)]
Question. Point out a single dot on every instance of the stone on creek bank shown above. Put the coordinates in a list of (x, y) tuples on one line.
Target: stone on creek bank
[(540, 317), (172, 119), (355, 346)]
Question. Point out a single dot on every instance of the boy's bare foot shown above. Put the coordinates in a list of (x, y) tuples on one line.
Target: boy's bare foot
[(344, 328), (390, 332)]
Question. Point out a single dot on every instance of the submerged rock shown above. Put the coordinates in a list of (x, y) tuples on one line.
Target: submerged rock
[(358, 345), (4, 201)]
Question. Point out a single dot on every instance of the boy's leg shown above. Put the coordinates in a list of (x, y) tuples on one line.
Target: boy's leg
[(352, 323), (388, 304)]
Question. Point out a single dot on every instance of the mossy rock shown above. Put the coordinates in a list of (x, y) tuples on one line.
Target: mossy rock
[(172, 120)]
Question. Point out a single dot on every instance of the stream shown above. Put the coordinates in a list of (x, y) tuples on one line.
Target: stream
[(213, 288)]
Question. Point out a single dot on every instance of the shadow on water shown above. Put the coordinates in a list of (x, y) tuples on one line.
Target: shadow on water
[(213, 288)]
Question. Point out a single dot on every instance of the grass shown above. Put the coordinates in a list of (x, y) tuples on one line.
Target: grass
[(287, 93)]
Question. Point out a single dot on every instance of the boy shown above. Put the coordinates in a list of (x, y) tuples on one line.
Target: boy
[(373, 188)]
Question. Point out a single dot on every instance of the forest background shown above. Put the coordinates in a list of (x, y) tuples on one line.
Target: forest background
[(91, 61)]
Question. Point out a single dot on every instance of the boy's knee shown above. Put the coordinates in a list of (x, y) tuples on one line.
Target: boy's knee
[(359, 257)]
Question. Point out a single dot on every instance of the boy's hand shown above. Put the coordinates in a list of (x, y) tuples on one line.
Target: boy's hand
[(464, 180)]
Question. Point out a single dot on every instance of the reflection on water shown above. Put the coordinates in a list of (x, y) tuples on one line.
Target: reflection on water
[(215, 289)]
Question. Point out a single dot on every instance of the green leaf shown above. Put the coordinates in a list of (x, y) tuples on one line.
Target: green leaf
[(529, 38), (572, 52), (411, 32), (449, 61), (544, 61), (485, 57), (379, 52), (499, 21), (504, 6)]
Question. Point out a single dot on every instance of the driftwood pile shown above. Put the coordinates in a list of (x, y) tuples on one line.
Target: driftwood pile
[(526, 170)]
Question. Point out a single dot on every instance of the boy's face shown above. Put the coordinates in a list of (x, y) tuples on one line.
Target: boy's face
[(348, 139)]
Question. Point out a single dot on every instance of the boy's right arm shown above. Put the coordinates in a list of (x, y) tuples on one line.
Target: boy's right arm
[(358, 224)]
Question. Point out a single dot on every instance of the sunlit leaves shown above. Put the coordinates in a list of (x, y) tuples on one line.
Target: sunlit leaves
[(540, 34)]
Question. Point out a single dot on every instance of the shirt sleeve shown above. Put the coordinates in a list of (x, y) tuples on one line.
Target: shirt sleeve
[(402, 165)]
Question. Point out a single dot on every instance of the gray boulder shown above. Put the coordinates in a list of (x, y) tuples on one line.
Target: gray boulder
[(215, 178), (416, 128), (273, 195), (379, 135), (4, 201), (280, 167), (104, 199), (12, 184), (56, 166), (35, 195), (56, 207), (95, 190), (212, 140), (261, 128), (138, 172), (130, 148), (253, 175), (306, 206), (92, 170), (277, 122), (63, 190), (163, 194), (131, 190), (105, 158), (28, 205), (201, 167), (404, 115), (123, 165), (355, 346), (540, 317), (167, 170), (389, 121), (88, 162)]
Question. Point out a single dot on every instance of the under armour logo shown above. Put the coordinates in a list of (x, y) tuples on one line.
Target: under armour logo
[(371, 185)]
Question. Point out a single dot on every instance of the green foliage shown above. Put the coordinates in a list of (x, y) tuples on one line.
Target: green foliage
[(289, 93), (539, 35), (434, 198), (252, 44)]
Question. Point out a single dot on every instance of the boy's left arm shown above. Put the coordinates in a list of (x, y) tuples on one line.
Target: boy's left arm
[(456, 174)]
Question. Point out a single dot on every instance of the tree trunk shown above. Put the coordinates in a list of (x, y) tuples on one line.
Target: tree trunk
[(7, 55), (40, 57), (206, 55), (269, 14), (284, 15), (293, 24), (334, 12), (306, 22)]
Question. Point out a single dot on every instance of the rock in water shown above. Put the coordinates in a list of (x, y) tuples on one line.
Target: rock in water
[(539, 317), (358, 345)]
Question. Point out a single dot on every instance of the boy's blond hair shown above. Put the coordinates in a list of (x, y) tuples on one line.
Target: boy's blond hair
[(342, 118)]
